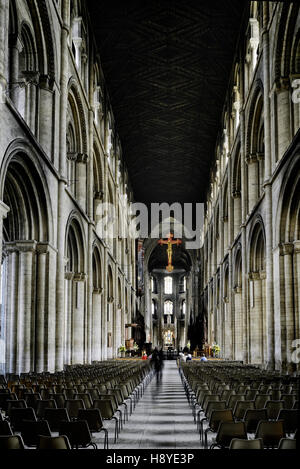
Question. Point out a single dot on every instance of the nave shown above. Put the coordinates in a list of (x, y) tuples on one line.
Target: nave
[(163, 418)]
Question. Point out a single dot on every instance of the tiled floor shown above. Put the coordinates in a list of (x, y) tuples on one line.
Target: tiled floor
[(162, 418)]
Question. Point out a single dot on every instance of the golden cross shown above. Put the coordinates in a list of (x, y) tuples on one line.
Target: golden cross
[(170, 242)]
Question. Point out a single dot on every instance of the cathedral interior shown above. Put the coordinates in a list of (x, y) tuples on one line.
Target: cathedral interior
[(163, 107)]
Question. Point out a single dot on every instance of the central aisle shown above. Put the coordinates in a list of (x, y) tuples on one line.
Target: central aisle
[(162, 418)]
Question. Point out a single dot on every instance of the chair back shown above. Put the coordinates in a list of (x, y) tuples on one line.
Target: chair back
[(237, 443), (11, 442), (270, 432), (54, 442), (287, 443)]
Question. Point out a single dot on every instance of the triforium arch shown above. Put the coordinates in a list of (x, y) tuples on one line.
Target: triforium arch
[(288, 257), (255, 151), (257, 293), (75, 291), (98, 181), (77, 149), (236, 190), (26, 261), (32, 65)]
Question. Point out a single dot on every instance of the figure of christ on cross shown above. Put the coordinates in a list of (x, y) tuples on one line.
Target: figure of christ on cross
[(170, 242)]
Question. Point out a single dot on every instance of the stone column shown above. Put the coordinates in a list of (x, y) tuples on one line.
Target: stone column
[(4, 22), (237, 212), (77, 350), (257, 319), (288, 249), (81, 177), (104, 308), (62, 216), (147, 286), (283, 115), (45, 134), (252, 180), (11, 308), (297, 287), (41, 308), (268, 190), (96, 325), (238, 324), (26, 320), (15, 49)]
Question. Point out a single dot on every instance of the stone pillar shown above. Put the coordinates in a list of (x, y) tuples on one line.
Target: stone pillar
[(297, 287), (238, 324), (268, 191), (81, 176), (256, 318), (253, 181), (15, 49), (45, 134), (237, 209), (4, 22), (26, 319), (283, 115), (77, 350), (96, 324), (11, 309), (50, 325), (104, 308), (62, 216), (41, 308), (147, 286), (288, 249)]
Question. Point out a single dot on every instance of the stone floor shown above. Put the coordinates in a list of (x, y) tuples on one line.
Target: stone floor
[(161, 419)]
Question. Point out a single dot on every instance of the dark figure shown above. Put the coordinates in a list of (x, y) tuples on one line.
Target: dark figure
[(157, 362)]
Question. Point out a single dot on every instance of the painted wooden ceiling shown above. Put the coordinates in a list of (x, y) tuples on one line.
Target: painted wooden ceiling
[(167, 65)]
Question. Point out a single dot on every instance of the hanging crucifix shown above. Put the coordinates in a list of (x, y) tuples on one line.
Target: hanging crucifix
[(170, 242)]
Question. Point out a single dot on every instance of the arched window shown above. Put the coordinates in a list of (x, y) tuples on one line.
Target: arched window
[(168, 285), (168, 307), (183, 308), (153, 309)]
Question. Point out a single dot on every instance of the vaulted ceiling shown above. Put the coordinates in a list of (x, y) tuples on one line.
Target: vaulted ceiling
[(167, 65)]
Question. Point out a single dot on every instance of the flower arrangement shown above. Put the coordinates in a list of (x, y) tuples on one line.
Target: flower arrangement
[(216, 349), (122, 348), (135, 347)]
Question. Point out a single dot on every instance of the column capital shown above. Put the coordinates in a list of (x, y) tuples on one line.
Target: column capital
[(237, 289), (46, 82), (254, 276), (26, 246), (110, 299), (42, 248), (98, 195), (72, 156), (69, 275), (251, 158), (80, 277), (82, 158), (287, 248), (283, 84), (297, 246), (236, 194), (98, 291)]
